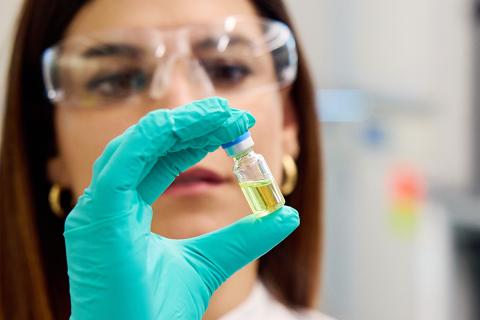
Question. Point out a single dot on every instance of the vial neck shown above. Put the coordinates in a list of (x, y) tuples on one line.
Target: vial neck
[(243, 154)]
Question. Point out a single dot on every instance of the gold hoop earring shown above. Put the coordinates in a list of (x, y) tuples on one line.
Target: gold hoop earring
[(290, 175), (54, 199)]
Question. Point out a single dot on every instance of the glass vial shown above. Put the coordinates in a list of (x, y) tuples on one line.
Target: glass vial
[(254, 177)]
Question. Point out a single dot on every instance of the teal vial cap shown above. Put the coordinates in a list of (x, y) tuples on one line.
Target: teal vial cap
[(240, 144)]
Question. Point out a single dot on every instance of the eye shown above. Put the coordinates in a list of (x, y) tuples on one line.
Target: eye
[(119, 84), (225, 73)]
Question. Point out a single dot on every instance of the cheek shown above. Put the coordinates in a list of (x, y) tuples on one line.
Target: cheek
[(82, 136)]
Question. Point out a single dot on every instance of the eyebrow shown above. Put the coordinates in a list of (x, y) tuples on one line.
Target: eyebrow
[(112, 49), (130, 51), (214, 42)]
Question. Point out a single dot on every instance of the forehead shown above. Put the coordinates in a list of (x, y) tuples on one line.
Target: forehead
[(100, 15)]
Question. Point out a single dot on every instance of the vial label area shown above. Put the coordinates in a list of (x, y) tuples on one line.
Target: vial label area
[(263, 196)]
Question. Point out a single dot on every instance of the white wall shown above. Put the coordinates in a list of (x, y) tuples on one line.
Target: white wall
[(418, 50)]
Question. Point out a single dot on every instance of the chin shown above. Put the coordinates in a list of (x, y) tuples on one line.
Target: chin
[(187, 216), (180, 225)]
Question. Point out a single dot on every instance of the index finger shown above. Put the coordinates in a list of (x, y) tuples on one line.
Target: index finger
[(153, 137)]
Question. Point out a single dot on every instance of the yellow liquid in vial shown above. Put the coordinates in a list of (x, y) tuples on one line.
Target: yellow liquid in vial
[(263, 196)]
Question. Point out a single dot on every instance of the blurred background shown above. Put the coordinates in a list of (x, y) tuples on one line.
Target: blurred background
[(400, 116)]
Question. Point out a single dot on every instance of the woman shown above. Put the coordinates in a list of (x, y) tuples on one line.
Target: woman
[(49, 147)]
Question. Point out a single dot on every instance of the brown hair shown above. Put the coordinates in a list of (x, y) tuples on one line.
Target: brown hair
[(33, 265)]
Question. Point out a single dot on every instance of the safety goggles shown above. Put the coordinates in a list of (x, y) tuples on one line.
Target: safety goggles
[(235, 57)]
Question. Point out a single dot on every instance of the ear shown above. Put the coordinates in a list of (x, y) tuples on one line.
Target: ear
[(290, 125), (57, 172)]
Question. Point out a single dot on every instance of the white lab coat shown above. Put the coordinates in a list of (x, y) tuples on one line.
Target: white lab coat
[(261, 305)]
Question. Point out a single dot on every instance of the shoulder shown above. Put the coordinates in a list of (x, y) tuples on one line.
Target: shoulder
[(261, 305), (311, 315), (289, 314), (284, 313)]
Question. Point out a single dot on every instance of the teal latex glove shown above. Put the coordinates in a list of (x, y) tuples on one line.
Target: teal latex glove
[(118, 268)]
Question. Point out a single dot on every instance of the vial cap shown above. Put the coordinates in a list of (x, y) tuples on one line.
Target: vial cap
[(240, 144)]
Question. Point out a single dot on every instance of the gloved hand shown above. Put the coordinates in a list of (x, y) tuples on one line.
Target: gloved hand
[(118, 268)]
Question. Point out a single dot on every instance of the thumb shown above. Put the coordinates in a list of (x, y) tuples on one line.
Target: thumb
[(217, 255)]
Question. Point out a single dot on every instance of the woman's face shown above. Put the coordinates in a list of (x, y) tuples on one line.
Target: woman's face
[(194, 205)]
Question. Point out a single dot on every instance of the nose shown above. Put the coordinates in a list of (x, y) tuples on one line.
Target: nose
[(184, 81)]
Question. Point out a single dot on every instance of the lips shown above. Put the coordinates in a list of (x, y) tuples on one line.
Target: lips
[(193, 181), (198, 175)]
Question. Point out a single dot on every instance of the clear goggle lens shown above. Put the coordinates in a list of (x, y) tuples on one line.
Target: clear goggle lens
[(235, 57)]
